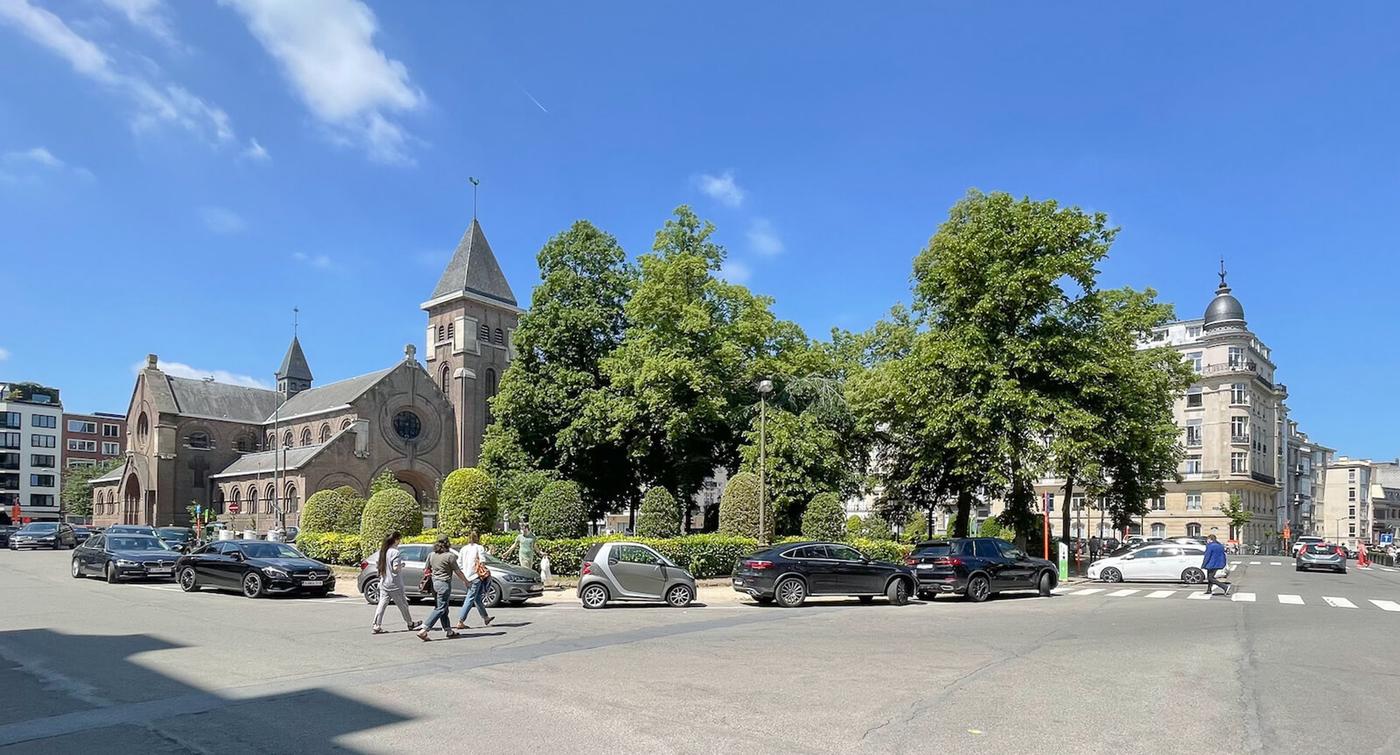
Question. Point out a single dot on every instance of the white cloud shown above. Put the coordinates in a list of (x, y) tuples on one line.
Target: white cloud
[(722, 188), (222, 220), (4, 354), (318, 261), (255, 152), (327, 52), (763, 238), (180, 369), (150, 16), (156, 102), (29, 162), (38, 155), (735, 271)]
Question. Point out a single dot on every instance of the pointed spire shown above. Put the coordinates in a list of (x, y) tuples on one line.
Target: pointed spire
[(474, 270), (294, 364)]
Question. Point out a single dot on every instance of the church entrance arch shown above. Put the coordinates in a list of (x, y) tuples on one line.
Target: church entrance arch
[(131, 500)]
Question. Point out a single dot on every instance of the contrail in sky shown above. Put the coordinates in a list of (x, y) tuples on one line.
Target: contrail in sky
[(532, 99)]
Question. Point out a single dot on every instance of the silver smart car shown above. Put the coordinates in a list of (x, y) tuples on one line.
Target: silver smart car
[(632, 571)]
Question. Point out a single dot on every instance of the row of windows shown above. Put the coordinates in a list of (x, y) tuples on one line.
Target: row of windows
[(46, 421), (250, 504), (109, 447), (43, 441), (322, 436)]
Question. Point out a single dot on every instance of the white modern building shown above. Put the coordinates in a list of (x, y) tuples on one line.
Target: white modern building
[(30, 453)]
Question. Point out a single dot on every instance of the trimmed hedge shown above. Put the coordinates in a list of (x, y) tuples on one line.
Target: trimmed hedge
[(738, 508), (825, 518), (467, 502), (322, 511), (386, 511), (331, 547), (352, 509), (558, 511), (659, 514)]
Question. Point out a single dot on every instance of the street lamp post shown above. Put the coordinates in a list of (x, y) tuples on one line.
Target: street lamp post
[(765, 387)]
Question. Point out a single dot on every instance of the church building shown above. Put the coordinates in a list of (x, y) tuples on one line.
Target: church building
[(253, 455)]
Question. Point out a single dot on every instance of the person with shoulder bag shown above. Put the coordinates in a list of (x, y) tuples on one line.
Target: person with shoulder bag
[(391, 584), (440, 568), (478, 580)]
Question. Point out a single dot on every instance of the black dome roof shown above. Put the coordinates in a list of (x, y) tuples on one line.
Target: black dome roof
[(1224, 309)]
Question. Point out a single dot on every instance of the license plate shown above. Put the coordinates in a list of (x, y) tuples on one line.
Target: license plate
[(311, 583), (738, 581), (925, 566), (159, 570)]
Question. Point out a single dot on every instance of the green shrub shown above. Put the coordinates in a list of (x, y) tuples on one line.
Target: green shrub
[(518, 491), (868, 527), (467, 503), (383, 481), (991, 528), (352, 509), (824, 518), (738, 509), (916, 529), (558, 511), (322, 511), (882, 550), (659, 515), (386, 511), (341, 548)]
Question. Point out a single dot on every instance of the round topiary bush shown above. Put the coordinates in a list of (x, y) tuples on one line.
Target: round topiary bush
[(467, 503), (870, 527), (738, 509), (352, 509), (386, 511), (322, 511), (825, 518), (659, 514), (558, 511)]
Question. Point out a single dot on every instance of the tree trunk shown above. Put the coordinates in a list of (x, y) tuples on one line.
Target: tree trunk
[(960, 524)]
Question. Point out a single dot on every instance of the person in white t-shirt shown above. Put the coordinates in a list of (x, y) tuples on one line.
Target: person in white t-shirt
[(473, 561)]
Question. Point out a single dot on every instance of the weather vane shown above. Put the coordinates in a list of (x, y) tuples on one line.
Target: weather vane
[(1222, 271), (475, 183)]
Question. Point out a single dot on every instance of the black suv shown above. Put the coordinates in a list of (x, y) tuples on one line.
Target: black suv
[(978, 567), (789, 573)]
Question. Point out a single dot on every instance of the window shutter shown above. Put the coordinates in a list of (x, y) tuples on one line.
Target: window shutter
[(429, 342), (468, 328), (459, 335)]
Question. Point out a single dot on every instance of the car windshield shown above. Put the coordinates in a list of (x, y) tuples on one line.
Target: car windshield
[(934, 549), (135, 543), (174, 533), (269, 550), (123, 529), (40, 527), (1321, 548)]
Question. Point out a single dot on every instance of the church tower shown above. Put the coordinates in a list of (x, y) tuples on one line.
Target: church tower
[(294, 376), (472, 316)]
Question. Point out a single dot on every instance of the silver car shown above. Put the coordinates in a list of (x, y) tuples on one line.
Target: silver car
[(620, 571), (510, 583), (1321, 556)]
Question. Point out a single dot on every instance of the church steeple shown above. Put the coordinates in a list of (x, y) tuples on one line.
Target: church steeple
[(294, 376), (474, 272)]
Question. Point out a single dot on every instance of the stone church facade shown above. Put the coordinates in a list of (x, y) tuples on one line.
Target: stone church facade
[(260, 452)]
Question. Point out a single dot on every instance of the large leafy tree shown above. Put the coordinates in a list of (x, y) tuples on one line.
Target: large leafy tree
[(77, 493)]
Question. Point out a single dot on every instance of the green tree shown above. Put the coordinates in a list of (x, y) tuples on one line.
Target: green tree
[(739, 509), (383, 481), (324, 512), (467, 503), (659, 515), (869, 527), (520, 488), (558, 511), (1235, 511), (990, 527), (388, 510), (77, 492), (825, 518)]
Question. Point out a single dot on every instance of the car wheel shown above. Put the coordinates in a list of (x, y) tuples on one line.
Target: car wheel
[(866, 598), (77, 569), (979, 588), (252, 585), (791, 592), (371, 591), (188, 583), (594, 596), (1111, 575), (493, 595), (679, 596), (1046, 584), (897, 592), (1193, 576), (1297, 568), (111, 573)]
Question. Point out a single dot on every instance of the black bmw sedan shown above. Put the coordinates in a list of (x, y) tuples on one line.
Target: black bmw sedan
[(118, 557), (53, 535), (254, 568), (789, 573)]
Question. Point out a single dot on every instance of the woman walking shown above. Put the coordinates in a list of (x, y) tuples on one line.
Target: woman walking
[(441, 566), (391, 583), (478, 580)]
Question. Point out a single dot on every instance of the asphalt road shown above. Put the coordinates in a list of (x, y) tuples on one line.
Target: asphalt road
[(91, 667)]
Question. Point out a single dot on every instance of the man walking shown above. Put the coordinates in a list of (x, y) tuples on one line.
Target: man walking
[(1213, 562)]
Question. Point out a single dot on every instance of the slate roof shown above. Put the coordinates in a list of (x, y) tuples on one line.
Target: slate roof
[(294, 363), (324, 398), (266, 461), (474, 270), (111, 476), (222, 400)]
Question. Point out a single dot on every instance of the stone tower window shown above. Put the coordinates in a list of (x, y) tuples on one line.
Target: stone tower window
[(483, 333), (407, 425), (441, 331), (143, 430), (450, 331), (446, 379)]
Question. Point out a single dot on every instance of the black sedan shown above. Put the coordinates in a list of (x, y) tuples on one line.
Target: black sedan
[(978, 567), (118, 557), (253, 567), (53, 535), (5, 531), (789, 573), (180, 538)]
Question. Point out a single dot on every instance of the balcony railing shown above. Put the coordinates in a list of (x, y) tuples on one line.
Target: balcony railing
[(1245, 366), (1204, 474), (1239, 437)]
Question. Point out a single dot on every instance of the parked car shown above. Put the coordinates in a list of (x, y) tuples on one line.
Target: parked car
[(1191, 540), (82, 533), (1321, 556), (5, 531), (52, 535), (118, 557), (790, 573), (624, 571), (1165, 562), (132, 529), (253, 567), (1305, 540), (181, 539), (979, 567), (510, 583), (1137, 541)]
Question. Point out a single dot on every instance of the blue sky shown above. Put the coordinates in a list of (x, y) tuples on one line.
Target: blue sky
[(175, 177)]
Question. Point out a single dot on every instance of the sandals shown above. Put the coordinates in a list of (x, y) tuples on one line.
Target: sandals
[(451, 635), (415, 625), (424, 637), (376, 630)]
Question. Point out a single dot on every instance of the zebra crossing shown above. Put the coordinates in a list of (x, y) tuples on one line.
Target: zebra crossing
[(1196, 594), (1377, 567)]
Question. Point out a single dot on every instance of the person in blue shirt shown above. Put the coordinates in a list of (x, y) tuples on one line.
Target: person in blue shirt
[(1213, 562)]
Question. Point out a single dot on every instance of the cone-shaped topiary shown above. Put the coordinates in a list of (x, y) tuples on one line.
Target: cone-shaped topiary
[(323, 511), (825, 518), (558, 511), (467, 503), (386, 511), (352, 509), (659, 515), (738, 509)]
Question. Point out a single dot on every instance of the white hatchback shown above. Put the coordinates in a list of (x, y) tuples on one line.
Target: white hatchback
[(1167, 562)]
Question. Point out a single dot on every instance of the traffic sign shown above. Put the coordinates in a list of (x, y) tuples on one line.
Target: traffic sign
[(1387, 538), (233, 507)]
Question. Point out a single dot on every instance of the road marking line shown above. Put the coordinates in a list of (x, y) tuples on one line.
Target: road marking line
[(1160, 594), (1089, 591), (1198, 596), (1243, 597), (1275, 563), (1338, 602), (1255, 563), (1386, 568), (1060, 591), (1292, 600), (1123, 593), (1386, 605)]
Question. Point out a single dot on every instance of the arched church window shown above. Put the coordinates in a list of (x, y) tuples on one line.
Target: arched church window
[(252, 500), (483, 334), (306, 436), (446, 379), (451, 327), (325, 432), (199, 439), (143, 430), (345, 425), (441, 331), (500, 337), (289, 503), (287, 439), (271, 495), (271, 440)]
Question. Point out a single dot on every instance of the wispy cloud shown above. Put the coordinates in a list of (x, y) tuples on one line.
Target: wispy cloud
[(150, 16), (222, 220), (532, 99), (180, 369), (721, 188), (318, 261), (4, 354), (255, 152), (327, 52), (763, 238), (735, 271), (28, 163), (156, 103)]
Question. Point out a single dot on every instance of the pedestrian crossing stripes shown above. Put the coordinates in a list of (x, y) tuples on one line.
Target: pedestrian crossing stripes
[(1243, 597), (1338, 602), (1123, 593), (1292, 600), (1386, 605), (1287, 599), (1161, 594)]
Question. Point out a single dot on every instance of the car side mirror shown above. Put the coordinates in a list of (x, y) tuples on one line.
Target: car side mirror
[(237, 555), (865, 559)]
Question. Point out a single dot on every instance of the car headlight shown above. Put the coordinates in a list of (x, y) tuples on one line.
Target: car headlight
[(518, 578), (125, 562), (275, 573)]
